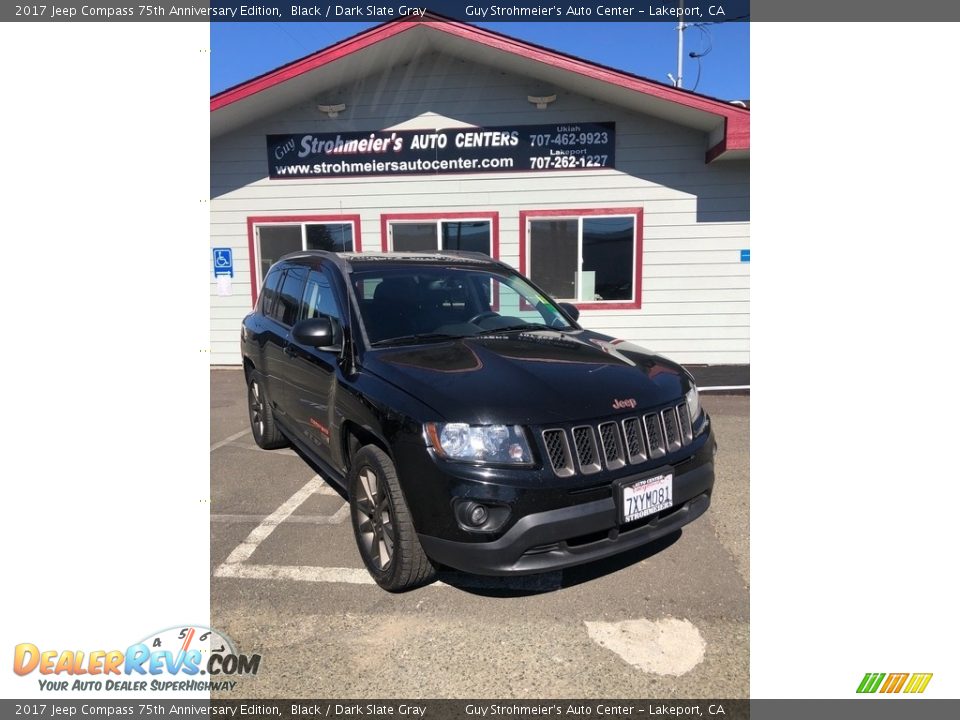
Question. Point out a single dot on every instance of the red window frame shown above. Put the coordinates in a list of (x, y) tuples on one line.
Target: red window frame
[(589, 212), (281, 219), (493, 217)]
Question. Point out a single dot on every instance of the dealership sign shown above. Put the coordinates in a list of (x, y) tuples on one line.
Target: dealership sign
[(525, 148)]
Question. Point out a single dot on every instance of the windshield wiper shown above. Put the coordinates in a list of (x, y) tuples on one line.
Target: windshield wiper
[(509, 328), (415, 338)]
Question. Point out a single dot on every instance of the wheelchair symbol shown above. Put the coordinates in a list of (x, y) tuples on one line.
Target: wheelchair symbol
[(223, 261)]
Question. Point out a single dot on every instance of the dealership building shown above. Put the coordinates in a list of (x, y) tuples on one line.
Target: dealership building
[(624, 196)]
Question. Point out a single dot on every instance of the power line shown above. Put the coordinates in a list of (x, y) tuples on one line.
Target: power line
[(705, 36), (284, 31), (721, 22)]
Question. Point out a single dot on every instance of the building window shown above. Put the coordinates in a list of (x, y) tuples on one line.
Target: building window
[(273, 237), (472, 235), (458, 231), (275, 241), (589, 257)]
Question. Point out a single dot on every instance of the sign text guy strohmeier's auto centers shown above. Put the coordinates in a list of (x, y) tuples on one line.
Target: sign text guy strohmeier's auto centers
[(525, 148)]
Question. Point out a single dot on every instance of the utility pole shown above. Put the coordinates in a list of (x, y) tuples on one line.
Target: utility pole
[(680, 51), (681, 26)]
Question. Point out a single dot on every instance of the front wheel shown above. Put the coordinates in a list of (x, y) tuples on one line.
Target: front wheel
[(382, 525)]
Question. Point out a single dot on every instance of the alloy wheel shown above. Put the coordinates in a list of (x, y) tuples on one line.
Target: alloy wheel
[(374, 519), (256, 407)]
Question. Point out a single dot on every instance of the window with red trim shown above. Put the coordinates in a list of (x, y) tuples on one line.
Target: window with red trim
[(270, 238), (277, 239), (588, 257), (474, 232)]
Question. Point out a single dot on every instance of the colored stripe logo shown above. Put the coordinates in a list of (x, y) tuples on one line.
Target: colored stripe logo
[(894, 682)]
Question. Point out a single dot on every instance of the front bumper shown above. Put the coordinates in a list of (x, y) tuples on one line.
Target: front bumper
[(566, 536)]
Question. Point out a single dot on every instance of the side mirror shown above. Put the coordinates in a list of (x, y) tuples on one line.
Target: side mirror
[(571, 310), (322, 332)]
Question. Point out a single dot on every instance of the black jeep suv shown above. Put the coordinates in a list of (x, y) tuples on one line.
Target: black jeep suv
[(470, 419)]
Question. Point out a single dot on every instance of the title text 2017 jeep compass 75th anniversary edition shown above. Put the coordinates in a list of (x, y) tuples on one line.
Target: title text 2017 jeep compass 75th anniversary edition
[(472, 422)]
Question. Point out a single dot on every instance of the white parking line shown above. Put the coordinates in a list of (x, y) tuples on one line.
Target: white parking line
[(261, 532), (357, 576), (227, 441), (302, 573), (257, 448), (337, 518)]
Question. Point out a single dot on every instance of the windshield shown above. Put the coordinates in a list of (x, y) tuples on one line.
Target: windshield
[(417, 303)]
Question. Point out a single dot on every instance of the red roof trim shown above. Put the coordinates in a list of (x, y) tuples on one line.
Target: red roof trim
[(737, 136), (716, 151)]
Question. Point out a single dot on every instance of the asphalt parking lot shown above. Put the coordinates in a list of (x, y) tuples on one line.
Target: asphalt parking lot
[(668, 621)]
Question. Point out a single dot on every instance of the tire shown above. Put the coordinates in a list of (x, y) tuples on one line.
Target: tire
[(262, 424), (382, 524)]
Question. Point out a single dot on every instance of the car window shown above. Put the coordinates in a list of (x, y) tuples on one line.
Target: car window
[(319, 297), (271, 287), (287, 306)]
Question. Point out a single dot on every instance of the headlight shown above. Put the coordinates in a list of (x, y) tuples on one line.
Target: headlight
[(693, 402), (497, 444)]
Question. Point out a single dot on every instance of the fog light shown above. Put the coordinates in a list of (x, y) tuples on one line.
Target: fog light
[(478, 515)]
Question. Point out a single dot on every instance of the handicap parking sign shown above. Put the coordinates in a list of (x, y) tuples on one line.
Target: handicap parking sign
[(222, 262)]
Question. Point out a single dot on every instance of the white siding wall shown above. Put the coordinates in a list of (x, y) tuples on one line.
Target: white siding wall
[(695, 297)]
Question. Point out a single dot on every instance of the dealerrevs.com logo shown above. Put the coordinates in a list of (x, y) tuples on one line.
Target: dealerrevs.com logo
[(894, 683), (182, 658)]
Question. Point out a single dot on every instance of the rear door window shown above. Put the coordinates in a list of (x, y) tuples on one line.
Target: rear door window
[(271, 288)]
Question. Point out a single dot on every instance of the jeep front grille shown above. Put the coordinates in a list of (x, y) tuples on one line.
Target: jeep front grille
[(636, 452), (558, 451), (586, 447), (672, 428), (651, 423), (686, 430), (610, 441), (613, 444)]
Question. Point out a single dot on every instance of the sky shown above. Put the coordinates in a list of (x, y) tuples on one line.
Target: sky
[(243, 50)]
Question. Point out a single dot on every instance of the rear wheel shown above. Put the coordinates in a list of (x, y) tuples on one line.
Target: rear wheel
[(262, 425), (382, 525)]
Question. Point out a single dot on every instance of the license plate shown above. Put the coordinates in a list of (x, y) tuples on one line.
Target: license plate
[(646, 497)]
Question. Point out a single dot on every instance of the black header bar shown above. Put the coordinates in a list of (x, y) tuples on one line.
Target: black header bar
[(709, 11), (382, 10)]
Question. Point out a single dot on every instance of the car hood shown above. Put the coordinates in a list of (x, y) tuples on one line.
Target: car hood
[(537, 377)]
